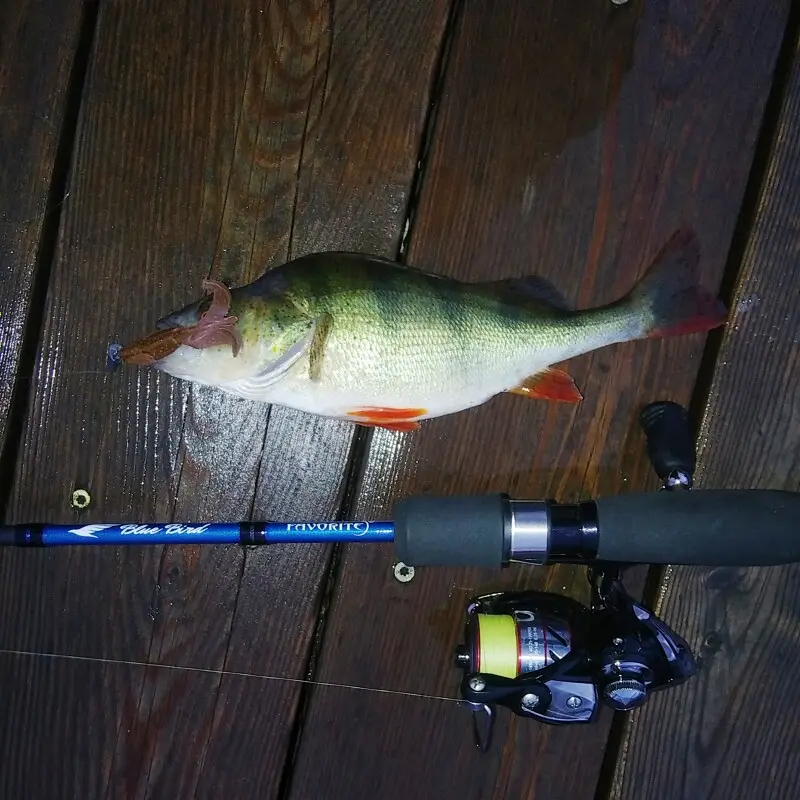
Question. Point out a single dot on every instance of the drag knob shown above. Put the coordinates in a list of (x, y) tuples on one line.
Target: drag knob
[(625, 693)]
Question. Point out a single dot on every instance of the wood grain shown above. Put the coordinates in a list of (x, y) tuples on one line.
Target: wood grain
[(735, 724), (212, 141), (38, 39), (40, 717), (572, 140)]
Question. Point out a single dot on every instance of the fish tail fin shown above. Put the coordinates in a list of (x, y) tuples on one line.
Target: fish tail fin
[(668, 301)]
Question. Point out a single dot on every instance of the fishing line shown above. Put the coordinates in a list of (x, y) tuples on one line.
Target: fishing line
[(222, 672), (56, 377)]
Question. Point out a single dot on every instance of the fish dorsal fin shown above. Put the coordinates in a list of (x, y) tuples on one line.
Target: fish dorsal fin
[(549, 384), (256, 386), (531, 288)]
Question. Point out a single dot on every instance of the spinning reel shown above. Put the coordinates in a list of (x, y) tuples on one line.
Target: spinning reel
[(550, 658)]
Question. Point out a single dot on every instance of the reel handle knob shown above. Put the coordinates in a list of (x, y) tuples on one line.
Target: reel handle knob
[(670, 445), (625, 693)]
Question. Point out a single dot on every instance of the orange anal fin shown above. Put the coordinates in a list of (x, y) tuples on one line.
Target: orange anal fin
[(387, 414), (393, 419), (549, 384)]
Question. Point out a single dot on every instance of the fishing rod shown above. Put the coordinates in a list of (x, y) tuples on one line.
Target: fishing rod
[(710, 527), (728, 527), (543, 656)]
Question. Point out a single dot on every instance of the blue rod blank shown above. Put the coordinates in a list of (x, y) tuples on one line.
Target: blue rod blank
[(249, 533)]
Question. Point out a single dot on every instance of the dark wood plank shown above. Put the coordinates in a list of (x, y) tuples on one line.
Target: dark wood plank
[(212, 141), (38, 39), (735, 724), (572, 148), (37, 683), (167, 734)]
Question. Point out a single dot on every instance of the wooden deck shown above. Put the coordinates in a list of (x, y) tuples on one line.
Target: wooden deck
[(144, 146)]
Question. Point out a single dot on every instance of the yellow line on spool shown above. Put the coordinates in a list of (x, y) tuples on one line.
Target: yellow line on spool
[(498, 645)]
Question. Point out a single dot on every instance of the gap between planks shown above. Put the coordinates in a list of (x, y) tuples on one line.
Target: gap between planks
[(362, 439), (619, 739)]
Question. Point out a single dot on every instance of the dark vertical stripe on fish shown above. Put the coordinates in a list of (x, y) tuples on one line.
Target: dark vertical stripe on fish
[(387, 290), (456, 316), (320, 280)]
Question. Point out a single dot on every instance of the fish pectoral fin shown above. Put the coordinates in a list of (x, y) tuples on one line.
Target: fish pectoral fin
[(280, 366), (256, 386), (549, 384), (392, 419), (316, 351)]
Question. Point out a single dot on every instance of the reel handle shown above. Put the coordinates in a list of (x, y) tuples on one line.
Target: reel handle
[(670, 445)]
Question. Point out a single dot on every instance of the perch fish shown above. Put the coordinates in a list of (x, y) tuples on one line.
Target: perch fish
[(365, 339)]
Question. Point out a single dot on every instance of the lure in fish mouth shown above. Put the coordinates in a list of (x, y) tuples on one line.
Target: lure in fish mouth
[(207, 328), (361, 338)]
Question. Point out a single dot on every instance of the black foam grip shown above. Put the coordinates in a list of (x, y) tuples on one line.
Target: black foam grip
[(669, 438), (451, 531), (707, 527)]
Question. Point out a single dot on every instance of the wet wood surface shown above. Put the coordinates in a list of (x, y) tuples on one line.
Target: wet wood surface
[(565, 139), (212, 141), (735, 724), (578, 170), (38, 41)]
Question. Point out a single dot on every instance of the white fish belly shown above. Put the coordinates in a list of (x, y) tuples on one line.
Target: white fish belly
[(343, 388)]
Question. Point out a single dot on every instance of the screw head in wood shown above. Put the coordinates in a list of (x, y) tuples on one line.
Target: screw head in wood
[(403, 572), (81, 499)]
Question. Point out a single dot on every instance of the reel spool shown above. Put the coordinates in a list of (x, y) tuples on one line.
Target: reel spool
[(519, 642)]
